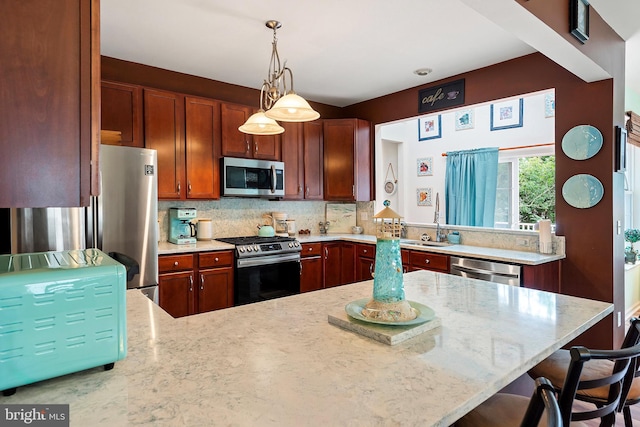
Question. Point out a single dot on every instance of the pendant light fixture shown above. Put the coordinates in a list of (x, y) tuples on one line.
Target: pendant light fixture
[(278, 101)]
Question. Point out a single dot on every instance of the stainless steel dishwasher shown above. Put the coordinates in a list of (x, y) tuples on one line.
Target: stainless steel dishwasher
[(490, 271)]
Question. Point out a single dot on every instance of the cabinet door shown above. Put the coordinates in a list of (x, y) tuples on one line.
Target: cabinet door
[(347, 160), (429, 261), (202, 127), (313, 160), (348, 258), (293, 158), (331, 264), (176, 293), (50, 102), (311, 274), (164, 132), (364, 269), (122, 111), (266, 147), (544, 277), (234, 142), (216, 289)]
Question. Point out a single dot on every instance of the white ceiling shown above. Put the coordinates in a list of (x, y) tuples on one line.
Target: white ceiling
[(343, 52)]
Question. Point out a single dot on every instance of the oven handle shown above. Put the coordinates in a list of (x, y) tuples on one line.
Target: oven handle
[(267, 259), (273, 178)]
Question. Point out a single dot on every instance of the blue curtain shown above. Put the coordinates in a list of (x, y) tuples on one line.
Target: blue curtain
[(470, 187)]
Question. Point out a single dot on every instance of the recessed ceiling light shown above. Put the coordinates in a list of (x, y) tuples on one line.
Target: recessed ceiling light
[(422, 71)]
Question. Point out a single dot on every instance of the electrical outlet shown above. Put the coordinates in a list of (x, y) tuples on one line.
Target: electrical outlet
[(364, 216), (522, 242)]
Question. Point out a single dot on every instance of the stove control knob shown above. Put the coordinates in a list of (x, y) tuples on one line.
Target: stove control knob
[(296, 243), (241, 249), (256, 248), (290, 244), (249, 248)]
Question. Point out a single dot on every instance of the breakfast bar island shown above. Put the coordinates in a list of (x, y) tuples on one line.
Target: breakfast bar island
[(281, 363)]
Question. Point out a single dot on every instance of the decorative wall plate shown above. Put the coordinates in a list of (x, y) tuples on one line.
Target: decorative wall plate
[(582, 142), (390, 187), (582, 191)]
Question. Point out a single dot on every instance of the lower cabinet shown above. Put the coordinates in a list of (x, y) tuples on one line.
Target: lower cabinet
[(311, 278), (544, 277), (365, 262), (419, 260), (339, 263), (195, 282)]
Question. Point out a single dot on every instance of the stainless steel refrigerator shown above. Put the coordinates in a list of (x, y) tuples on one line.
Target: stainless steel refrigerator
[(122, 221)]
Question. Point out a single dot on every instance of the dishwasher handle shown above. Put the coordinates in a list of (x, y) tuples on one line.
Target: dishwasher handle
[(480, 271)]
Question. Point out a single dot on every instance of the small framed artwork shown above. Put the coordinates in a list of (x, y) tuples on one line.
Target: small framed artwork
[(425, 166), (429, 128), (549, 104), (424, 196), (579, 19), (464, 119), (506, 114)]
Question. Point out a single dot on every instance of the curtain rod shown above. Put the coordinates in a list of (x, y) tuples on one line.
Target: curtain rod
[(518, 147)]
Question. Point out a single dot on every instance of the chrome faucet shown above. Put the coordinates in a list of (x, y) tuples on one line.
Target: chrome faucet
[(440, 235)]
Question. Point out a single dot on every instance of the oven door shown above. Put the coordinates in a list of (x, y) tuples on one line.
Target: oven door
[(266, 277)]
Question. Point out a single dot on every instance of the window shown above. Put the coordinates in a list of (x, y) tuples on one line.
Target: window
[(525, 191)]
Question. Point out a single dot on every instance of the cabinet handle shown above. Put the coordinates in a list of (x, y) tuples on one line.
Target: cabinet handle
[(255, 143), (353, 190), (190, 283), (216, 259), (179, 186), (189, 187), (300, 268), (364, 250), (371, 269), (299, 188), (326, 253), (175, 263), (202, 282), (248, 147), (307, 195), (310, 249), (426, 261)]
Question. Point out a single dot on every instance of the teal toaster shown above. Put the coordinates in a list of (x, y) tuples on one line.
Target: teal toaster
[(60, 312)]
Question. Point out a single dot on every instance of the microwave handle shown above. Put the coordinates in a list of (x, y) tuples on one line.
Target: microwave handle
[(273, 178)]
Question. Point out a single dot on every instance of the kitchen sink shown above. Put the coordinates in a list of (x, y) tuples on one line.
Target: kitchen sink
[(423, 243)]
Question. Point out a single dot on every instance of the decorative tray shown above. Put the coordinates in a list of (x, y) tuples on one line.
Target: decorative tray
[(425, 314)]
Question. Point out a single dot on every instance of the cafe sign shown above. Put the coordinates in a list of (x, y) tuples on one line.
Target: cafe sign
[(441, 96)]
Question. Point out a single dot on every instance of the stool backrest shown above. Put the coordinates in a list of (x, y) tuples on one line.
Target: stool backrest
[(544, 398)]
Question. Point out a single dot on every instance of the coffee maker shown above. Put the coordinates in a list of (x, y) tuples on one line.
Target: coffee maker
[(181, 230)]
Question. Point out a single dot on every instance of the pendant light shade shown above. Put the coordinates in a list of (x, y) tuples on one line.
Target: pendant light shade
[(292, 108), (259, 124)]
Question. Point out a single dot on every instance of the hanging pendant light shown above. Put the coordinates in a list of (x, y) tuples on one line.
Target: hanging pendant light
[(278, 101)]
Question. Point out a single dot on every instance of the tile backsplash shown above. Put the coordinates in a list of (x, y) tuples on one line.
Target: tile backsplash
[(241, 216)]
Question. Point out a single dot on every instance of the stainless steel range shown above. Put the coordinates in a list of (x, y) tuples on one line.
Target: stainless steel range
[(266, 267)]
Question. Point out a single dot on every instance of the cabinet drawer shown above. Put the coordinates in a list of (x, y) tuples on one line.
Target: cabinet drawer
[(311, 249), (216, 259), (169, 263), (429, 261), (366, 251)]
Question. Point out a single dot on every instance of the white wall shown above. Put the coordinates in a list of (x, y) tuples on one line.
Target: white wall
[(536, 129)]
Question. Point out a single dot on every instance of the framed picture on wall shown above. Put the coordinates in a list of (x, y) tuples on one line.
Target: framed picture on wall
[(549, 104), (464, 119), (506, 114), (429, 127), (621, 148), (425, 166), (424, 196), (579, 19)]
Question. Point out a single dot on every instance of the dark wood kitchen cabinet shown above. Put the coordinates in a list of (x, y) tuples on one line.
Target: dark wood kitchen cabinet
[(347, 160), (195, 282), (50, 103), (164, 132), (176, 280), (311, 263), (121, 110), (339, 263), (184, 131), (544, 277), (302, 155), (419, 260), (215, 285), (238, 144)]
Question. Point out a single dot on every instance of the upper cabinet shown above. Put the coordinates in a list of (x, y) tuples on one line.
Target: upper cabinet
[(50, 103), (238, 144), (347, 160), (303, 161), (122, 111), (184, 131)]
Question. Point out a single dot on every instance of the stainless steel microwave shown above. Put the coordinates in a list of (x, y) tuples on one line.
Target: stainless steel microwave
[(252, 178)]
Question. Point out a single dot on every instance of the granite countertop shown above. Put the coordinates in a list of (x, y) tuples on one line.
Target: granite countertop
[(280, 362), (504, 255)]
